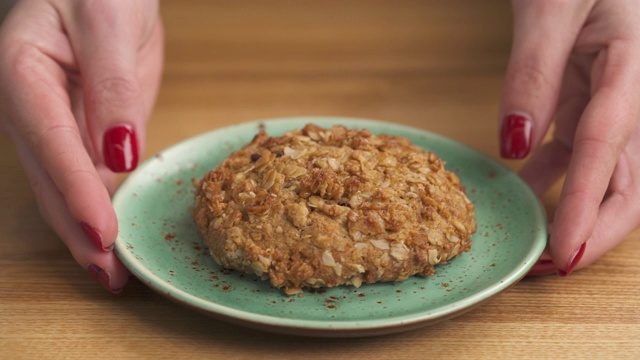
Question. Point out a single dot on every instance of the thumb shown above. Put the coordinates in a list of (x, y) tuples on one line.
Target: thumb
[(106, 41)]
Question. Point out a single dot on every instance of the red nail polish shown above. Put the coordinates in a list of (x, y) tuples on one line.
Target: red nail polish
[(120, 148), (544, 262), (573, 260), (94, 236), (515, 136), (102, 276), (543, 267)]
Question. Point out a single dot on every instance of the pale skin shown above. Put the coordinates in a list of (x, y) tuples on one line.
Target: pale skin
[(575, 64), (71, 71)]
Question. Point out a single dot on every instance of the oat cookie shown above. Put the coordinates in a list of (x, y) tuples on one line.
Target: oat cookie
[(324, 207)]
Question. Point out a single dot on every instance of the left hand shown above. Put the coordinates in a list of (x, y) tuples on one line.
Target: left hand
[(78, 80)]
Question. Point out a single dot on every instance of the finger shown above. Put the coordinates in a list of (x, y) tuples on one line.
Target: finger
[(549, 162), (574, 98), (106, 36), (103, 266), (535, 71), (602, 133), (41, 117), (108, 177), (545, 166), (150, 66), (619, 214)]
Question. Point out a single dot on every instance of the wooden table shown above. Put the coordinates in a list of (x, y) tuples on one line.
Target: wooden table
[(437, 65)]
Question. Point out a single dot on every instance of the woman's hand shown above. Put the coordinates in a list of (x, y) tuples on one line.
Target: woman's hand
[(576, 63), (78, 80)]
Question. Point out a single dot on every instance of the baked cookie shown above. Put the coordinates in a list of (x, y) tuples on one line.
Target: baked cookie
[(324, 207)]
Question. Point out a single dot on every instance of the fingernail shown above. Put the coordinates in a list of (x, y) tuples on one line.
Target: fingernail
[(94, 236), (573, 260), (543, 267), (515, 136), (120, 148), (103, 277)]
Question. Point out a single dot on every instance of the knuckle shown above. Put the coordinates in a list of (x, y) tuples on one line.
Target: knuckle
[(116, 91), (551, 5), (527, 81), (583, 195), (541, 8), (19, 63), (74, 177), (95, 9), (38, 186), (604, 150), (58, 148), (529, 75), (56, 141), (52, 134)]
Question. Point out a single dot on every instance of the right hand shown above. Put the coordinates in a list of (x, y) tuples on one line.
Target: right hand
[(586, 82)]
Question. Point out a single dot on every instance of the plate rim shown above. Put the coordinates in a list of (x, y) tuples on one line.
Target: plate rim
[(334, 326)]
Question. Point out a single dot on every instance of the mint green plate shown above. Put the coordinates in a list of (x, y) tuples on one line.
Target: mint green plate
[(159, 243)]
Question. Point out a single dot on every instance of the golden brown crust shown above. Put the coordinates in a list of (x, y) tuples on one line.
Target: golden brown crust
[(324, 207)]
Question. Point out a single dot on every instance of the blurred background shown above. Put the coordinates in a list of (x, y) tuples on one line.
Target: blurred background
[(437, 65)]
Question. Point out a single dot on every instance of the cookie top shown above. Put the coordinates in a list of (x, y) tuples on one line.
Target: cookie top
[(324, 207)]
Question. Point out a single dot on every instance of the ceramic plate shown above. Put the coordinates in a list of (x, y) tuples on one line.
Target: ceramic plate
[(159, 243)]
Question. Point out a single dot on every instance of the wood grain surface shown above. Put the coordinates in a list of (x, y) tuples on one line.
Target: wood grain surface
[(436, 65)]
